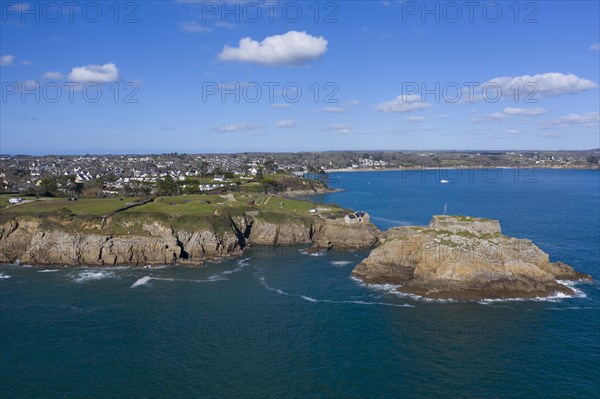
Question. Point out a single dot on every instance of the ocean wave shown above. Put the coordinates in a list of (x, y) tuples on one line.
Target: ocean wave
[(308, 253), (90, 275), (555, 297), (141, 281), (242, 263), (341, 262), (3, 276), (48, 271), (314, 300), (573, 285)]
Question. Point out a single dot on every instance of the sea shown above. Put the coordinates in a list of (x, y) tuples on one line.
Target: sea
[(283, 323)]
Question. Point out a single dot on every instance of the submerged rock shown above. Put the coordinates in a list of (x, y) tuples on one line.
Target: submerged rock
[(465, 258)]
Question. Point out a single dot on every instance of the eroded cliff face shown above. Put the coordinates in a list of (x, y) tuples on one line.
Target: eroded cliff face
[(28, 240), (338, 235), (468, 262)]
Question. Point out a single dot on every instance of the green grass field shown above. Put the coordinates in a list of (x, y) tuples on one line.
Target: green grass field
[(83, 206), (182, 211)]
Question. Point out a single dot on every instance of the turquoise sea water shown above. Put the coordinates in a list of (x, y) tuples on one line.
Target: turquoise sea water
[(277, 323)]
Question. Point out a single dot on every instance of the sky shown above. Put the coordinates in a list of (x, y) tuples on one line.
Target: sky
[(233, 76)]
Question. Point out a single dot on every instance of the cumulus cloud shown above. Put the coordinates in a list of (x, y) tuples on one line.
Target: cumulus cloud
[(6, 60), (333, 110), (525, 111), (291, 48), (95, 73), (237, 127), (509, 112), (595, 46), (193, 27), (542, 85), (403, 103), (585, 119), (287, 123), (53, 75)]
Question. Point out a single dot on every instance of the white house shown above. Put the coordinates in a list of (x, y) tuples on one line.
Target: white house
[(220, 178), (357, 217)]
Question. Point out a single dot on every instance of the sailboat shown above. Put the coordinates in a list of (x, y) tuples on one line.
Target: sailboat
[(444, 181)]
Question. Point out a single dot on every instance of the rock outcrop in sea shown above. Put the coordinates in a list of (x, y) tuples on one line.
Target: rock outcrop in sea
[(465, 258)]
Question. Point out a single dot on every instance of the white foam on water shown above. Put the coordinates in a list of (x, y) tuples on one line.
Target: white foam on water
[(307, 253), (155, 267), (573, 285), (242, 263), (314, 300), (3, 276), (141, 281), (341, 262), (48, 271), (90, 275)]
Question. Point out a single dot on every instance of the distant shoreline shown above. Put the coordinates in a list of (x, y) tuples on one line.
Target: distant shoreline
[(344, 170)]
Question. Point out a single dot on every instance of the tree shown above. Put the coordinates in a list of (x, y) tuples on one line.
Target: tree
[(167, 186), (48, 187)]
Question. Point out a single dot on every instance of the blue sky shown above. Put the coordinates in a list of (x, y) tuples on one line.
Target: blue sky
[(184, 76)]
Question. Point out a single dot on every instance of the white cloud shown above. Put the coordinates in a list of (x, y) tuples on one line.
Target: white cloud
[(95, 73), (291, 48), (226, 25), (193, 27), (586, 119), (353, 102), (509, 112), (287, 123), (6, 60), (496, 116), (25, 62), (595, 46), (237, 127), (333, 110), (403, 103), (53, 75), (340, 128), (525, 111), (415, 119), (540, 85), (284, 105)]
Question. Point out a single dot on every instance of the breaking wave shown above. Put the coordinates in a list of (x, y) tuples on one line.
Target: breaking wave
[(341, 262), (90, 275)]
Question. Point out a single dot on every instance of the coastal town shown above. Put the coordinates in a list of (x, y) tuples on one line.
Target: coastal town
[(173, 173)]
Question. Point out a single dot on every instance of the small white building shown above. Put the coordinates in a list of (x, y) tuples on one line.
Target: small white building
[(15, 200), (357, 217), (220, 178)]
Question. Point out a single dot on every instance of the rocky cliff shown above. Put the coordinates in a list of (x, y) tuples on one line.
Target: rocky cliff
[(116, 242), (462, 257)]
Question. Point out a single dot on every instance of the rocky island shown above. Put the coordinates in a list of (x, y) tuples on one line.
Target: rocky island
[(464, 258)]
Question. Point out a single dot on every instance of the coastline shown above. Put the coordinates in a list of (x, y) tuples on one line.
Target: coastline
[(411, 168)]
